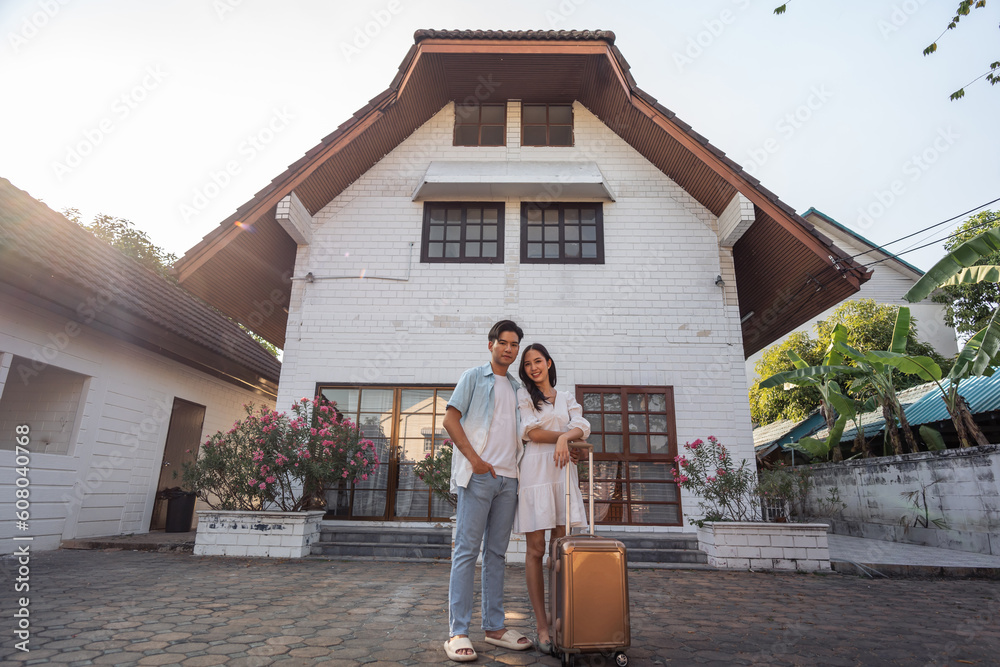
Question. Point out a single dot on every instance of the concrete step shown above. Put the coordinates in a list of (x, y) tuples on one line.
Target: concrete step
[(384, 543), (350, 534), (660, 548)]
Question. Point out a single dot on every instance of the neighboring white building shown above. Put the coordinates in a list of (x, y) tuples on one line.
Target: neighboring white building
[(521, 175), (891, 279), (118, 374)]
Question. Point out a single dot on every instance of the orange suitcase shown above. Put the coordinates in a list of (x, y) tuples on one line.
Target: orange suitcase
[(588, 582)]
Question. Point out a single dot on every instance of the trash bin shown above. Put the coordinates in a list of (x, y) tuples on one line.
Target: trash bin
[(180, 509)]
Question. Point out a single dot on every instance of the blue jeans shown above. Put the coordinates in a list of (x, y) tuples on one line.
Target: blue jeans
[(485, 515)]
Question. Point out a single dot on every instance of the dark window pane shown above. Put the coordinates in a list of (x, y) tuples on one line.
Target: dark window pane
[(534, 215), (490, 215), (612, 402), (560, 114), (571, 232), (658, 444), (533, 113), (467, 135), (435, 249), (489, 232), (572, 250), (472, 249), (560, 135), (658, 423), (376, 400), (534, 250), (612, 443), (452, 249), (369, 503), (467, 113), (493, 114), (346, 400), (551, 233), (571, 215), (417, 400), (437, 215), (551, 250), (654, 514), (657, 403), (637, 403), (492, 135), (437, 233), (595, 421), (654, 492), (490, 250), (588, 215), (613, 422), (552, 216), (453, 233), (454, 215), (535, 233), (638, 444), (651, 471), (591, 401), (589, 233), (473, 216), (472, 232), (636, 422), (589, 250), (534, 135)]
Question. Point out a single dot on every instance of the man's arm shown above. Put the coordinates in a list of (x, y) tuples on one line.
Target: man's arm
[(453, 424)]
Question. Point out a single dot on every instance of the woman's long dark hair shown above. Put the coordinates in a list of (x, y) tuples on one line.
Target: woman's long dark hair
[(537, 397)]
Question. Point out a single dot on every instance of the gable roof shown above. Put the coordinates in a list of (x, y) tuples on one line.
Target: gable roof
[(876, 253), (786, 272), (59, 265)]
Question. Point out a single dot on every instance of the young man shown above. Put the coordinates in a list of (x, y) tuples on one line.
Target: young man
[(483, 423)]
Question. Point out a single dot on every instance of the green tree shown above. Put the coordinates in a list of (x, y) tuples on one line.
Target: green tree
[(965, 7), (122, 235), (771, 404), (970, 306)]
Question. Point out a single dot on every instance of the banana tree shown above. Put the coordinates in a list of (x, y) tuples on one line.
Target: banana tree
[(982, 352), (835, 407)]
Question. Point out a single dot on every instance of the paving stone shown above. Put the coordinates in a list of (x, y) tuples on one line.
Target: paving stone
[(159, 659)]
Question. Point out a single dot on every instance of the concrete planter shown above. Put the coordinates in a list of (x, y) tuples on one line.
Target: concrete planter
[(738, 545), (263, 534)]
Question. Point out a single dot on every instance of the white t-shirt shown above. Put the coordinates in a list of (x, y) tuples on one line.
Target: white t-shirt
[(502, 442)]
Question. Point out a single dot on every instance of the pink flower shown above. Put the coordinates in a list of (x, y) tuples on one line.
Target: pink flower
[(682, 479), (324, 408), (697, 443), (364, 477), (720, 472), (673, 471), (709, 479), (427, 456), (312, 431), (345, 474), (270, 480), (262, 486)]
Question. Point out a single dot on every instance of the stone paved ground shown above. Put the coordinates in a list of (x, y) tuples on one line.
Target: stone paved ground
[(127, 607)]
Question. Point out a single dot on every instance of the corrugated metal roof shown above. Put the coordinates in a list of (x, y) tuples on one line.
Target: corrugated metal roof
[(873, 422), (981, 393)]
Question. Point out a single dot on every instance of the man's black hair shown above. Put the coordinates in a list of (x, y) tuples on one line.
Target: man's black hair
[(505, 325)]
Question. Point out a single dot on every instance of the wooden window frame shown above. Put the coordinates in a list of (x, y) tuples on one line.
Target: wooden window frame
[(562, 259), (548, 125), (479, 124), (625, 457), (425, 236)]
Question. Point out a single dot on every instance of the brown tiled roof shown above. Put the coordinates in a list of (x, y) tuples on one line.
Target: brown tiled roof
[(59, 264), (786, 272)]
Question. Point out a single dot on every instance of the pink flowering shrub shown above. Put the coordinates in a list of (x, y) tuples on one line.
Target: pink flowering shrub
[(272, 460), (726, 492), (435, 472)]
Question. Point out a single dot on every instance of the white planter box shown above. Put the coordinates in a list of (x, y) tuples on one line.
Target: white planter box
[(264, 534), (738, 545)]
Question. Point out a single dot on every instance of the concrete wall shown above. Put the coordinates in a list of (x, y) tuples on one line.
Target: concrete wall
[(101, 479), (962, 488), (651, 315)]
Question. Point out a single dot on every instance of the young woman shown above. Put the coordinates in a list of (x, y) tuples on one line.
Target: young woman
[(550, 420)]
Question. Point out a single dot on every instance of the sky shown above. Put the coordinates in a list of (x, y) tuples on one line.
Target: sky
[(173, 114)]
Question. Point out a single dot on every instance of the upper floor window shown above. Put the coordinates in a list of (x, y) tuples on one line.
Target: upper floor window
[(480, 124), (562, 233), (547, 125), (462, 232)]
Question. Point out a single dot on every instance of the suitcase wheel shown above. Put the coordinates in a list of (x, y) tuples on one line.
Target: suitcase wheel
[(621, 659)]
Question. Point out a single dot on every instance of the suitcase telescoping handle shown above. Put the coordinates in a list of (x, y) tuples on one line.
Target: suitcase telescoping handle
[(582, 444)]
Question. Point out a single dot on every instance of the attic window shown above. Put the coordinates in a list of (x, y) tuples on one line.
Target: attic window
[(547, 125), (480, 124), (562, 233), (462, 232)]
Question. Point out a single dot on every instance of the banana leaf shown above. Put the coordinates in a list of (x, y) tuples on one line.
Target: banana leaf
[(963, 363), (806, 376), (853, 354), (835, 357), (900, 331), (974, 274), (842, 404), (816, 449), (961, 257), (990, 345), (797, 361), (931, 438), (924, 367)]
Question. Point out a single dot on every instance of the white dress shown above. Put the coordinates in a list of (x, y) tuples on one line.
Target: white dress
[(541, 495)]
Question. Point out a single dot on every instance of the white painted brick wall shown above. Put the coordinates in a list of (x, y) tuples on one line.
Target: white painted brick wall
[(651, 315), (106, 483), (256, 534), (765, 546)]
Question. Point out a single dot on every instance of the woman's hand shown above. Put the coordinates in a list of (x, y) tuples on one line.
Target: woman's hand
[(561, 456)]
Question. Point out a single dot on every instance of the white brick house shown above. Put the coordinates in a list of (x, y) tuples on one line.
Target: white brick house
[(115, 372), (646, 261)]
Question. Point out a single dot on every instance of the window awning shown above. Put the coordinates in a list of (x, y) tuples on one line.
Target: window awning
[(559, 181)]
